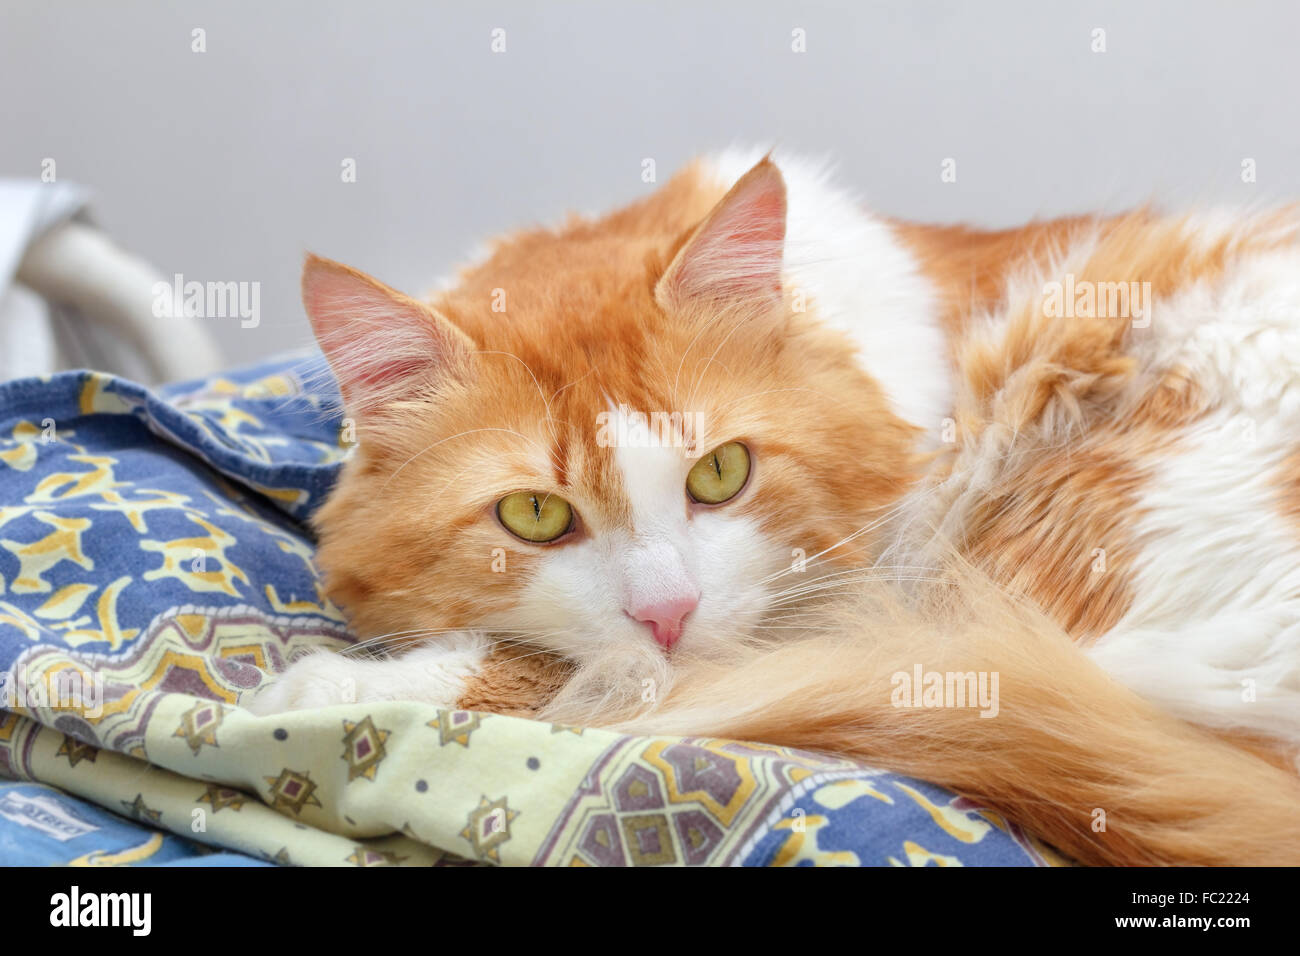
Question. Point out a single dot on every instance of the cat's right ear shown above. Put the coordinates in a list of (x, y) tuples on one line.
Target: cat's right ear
[(736, 254), (382, 345)]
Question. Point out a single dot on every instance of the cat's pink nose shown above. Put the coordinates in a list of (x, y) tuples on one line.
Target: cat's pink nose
[(665, 618)]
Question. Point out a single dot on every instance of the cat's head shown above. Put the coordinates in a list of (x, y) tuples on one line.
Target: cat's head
[(624, 440)]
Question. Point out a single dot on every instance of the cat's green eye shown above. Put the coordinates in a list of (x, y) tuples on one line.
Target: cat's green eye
[(719, 475), (535, 516)]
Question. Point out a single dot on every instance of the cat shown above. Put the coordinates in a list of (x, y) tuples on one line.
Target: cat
[(754, 448)]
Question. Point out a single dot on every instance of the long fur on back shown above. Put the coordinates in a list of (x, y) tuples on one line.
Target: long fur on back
[(1069, 749)]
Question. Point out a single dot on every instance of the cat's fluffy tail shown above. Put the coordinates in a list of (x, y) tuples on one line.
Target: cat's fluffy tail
[(1079, 760)]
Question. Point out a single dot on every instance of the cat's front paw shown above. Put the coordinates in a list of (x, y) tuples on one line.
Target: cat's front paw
[(322, 679), (435, 673)]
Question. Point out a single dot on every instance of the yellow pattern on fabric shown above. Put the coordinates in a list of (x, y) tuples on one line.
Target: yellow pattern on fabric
[(37, 557), (11, 615), (65, 602), (21, 455), (99, 480), (106, 612), (121, 857), (802, 845), (187, 560), (840, 793), (135, 510), (95, 396), (918, 855), (961, 825), (724, 812)]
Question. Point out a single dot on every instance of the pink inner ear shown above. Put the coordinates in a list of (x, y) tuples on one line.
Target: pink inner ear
[(738, 252), (380, 343)]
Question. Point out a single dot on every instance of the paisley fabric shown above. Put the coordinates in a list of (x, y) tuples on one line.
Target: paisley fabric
[(153, 568)]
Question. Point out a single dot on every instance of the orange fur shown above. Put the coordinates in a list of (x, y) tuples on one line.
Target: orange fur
[(520, 685), (1081, 423), (407, 539), (970, 267)]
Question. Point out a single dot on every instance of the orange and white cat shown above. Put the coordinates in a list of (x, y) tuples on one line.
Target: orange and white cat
[(750, 445)]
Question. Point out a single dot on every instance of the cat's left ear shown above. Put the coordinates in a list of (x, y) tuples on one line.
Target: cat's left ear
[(383, 346), (736, 254)]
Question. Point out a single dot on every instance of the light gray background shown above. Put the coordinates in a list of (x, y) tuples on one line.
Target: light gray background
[(225, 165)]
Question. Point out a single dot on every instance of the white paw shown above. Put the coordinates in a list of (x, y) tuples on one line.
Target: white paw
[(322, 679), (433, 673)]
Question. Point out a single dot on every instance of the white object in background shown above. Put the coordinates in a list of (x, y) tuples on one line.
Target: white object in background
[(97, 295), (28, 209), (27, 344)]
